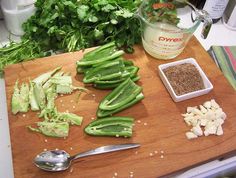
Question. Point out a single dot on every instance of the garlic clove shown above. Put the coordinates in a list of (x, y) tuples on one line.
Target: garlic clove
[(207, 104), (214, 104), (219, 131), (197, 130), (190, 135)]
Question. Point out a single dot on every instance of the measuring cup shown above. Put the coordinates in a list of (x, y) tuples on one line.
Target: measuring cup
[(164, 40)]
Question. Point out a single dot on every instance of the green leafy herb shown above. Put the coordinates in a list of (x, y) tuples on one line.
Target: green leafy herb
[(69, 25)]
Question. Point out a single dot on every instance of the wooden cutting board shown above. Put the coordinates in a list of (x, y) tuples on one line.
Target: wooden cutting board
[(159, 126)]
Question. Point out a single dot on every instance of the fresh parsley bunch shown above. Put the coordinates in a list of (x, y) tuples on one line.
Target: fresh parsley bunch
[(70, 25)]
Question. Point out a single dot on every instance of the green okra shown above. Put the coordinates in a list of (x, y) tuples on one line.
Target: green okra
[(104, 113), (121, 95), (111, 126)]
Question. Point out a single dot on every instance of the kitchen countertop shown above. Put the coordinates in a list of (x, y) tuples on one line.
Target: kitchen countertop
[(219, 35)]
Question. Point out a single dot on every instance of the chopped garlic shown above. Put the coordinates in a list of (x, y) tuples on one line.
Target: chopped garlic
[(203, 109), (214, 104), (190, 109), (203, 122), (197, 112), (219, 130), (209, 117), (207, 104), (197, 130), (190, 135)]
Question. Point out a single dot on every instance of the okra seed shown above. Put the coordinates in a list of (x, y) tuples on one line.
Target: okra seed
[(162, 156), (61, 101), (73, 107), (145, 123), (71, 101), (136, 152), (155, 152), (71, 148), (162, 151), (46, 140), (117, 135), (61, 95), (115, 174), (44, 149), (139, 121), (23, 115), (92, 118), (150, 154)]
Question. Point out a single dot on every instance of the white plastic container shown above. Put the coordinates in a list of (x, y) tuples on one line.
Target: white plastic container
[(176, 98), (15, 18), (16, 4)]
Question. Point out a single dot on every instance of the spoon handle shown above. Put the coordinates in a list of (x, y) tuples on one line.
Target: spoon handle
[(105, 149)]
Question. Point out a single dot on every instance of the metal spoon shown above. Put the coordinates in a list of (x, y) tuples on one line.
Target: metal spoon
[(59, 160)]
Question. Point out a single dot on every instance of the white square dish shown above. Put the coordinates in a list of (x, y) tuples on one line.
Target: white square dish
[(208, 85)]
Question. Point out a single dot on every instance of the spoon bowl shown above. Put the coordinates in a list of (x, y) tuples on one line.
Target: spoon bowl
[(59, 160)]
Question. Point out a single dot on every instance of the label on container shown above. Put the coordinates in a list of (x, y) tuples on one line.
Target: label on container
[(215, 8), (164, 42)]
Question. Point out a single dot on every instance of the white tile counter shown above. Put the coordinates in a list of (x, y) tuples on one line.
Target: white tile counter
[(219, 35)]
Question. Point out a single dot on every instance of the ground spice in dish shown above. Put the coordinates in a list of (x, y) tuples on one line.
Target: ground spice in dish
[(184, 78)]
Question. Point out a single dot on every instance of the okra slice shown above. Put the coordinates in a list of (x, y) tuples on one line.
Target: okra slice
[(121, 95), (103, 113), (111, 126), (104, 72)]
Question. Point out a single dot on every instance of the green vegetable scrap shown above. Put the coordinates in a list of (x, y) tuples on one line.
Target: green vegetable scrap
[(40, 94), (122, 97), (70, 25), (105, 68), (52, 129), (20, 98), (111, 126)]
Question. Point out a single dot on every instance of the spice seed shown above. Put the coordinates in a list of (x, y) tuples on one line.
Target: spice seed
[(184, 78)]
